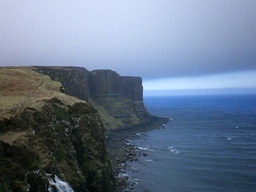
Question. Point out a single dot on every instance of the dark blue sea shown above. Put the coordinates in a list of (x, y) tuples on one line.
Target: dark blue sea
[(209, 145)]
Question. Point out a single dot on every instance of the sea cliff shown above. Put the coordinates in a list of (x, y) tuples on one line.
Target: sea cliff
[(119, 99), (53, 122)]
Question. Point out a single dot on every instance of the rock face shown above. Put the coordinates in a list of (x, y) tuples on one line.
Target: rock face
[(107, 83), (118, 99), (45, 134), (73, 79), (67, 141)]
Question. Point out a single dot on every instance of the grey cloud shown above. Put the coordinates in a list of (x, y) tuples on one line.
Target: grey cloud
[(152, 39)]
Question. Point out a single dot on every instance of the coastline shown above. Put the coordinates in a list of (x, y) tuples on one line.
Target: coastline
[(120, 151)]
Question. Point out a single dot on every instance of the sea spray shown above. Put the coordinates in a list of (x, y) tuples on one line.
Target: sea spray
[(59, 185)]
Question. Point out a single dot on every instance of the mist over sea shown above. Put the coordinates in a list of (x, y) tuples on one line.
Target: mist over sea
[(210, 145)]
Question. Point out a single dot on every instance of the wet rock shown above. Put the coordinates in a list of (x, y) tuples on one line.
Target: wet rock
[(118, 148)]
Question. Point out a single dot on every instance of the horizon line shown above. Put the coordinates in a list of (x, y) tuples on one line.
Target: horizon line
[(214, 91)]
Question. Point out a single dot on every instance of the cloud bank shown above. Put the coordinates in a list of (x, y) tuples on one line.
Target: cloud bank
[(151, 39)]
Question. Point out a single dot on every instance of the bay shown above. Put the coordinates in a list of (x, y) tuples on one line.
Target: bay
[(209, 145)]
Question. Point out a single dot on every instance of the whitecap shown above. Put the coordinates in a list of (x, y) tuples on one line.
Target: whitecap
[(135, 179), (229, 138), (123, 175), (149, 160), (145, 149), (175, 151)]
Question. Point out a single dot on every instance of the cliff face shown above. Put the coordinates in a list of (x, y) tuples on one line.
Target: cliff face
[(45, 135), (105, 83), (73, 79), (67, 141), (118, 99)]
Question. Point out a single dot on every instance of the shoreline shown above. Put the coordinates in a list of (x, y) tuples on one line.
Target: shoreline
[(120, 151)]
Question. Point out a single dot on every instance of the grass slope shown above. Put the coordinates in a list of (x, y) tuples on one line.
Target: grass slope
[(21, 87)]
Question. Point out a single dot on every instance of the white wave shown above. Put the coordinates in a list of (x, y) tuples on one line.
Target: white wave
[(149, 160), (60, 185), (174, 151), (229, 138), (140, 133), (145, 149), (123, 175)]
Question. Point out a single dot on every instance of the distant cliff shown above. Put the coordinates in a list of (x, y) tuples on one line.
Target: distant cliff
[(118, 99), (109, 83)]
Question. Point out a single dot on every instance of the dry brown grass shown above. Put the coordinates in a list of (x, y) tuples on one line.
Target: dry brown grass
[(11, 136), (21, 87)]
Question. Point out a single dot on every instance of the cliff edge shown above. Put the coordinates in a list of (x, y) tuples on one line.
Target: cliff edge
[(48, 138), (118, 99), (52, 127)]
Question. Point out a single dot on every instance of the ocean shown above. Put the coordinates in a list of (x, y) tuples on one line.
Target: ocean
[(208, 145)]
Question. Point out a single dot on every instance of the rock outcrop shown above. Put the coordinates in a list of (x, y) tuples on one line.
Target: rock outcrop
[(67, 141), (118, 99), (107, 83), (52, 125), (73, 79), (46, 135)]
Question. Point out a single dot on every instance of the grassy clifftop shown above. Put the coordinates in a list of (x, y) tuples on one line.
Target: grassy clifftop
[(46, 132), (22, 87)]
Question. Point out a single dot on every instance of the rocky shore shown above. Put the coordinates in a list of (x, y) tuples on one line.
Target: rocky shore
[(58, 116), (120, 151)]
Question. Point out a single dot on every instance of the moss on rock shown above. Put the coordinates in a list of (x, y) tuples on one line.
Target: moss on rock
[(67, 141)]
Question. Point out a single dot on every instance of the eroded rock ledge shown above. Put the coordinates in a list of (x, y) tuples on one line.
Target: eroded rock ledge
[(67, 141)]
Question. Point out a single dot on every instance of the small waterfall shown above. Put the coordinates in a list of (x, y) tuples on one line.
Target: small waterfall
[(59, 185)]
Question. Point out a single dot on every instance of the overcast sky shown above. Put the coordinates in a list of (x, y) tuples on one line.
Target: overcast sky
[(171, 44)]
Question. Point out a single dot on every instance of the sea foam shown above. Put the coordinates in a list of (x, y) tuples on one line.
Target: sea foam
[(57, 183)]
